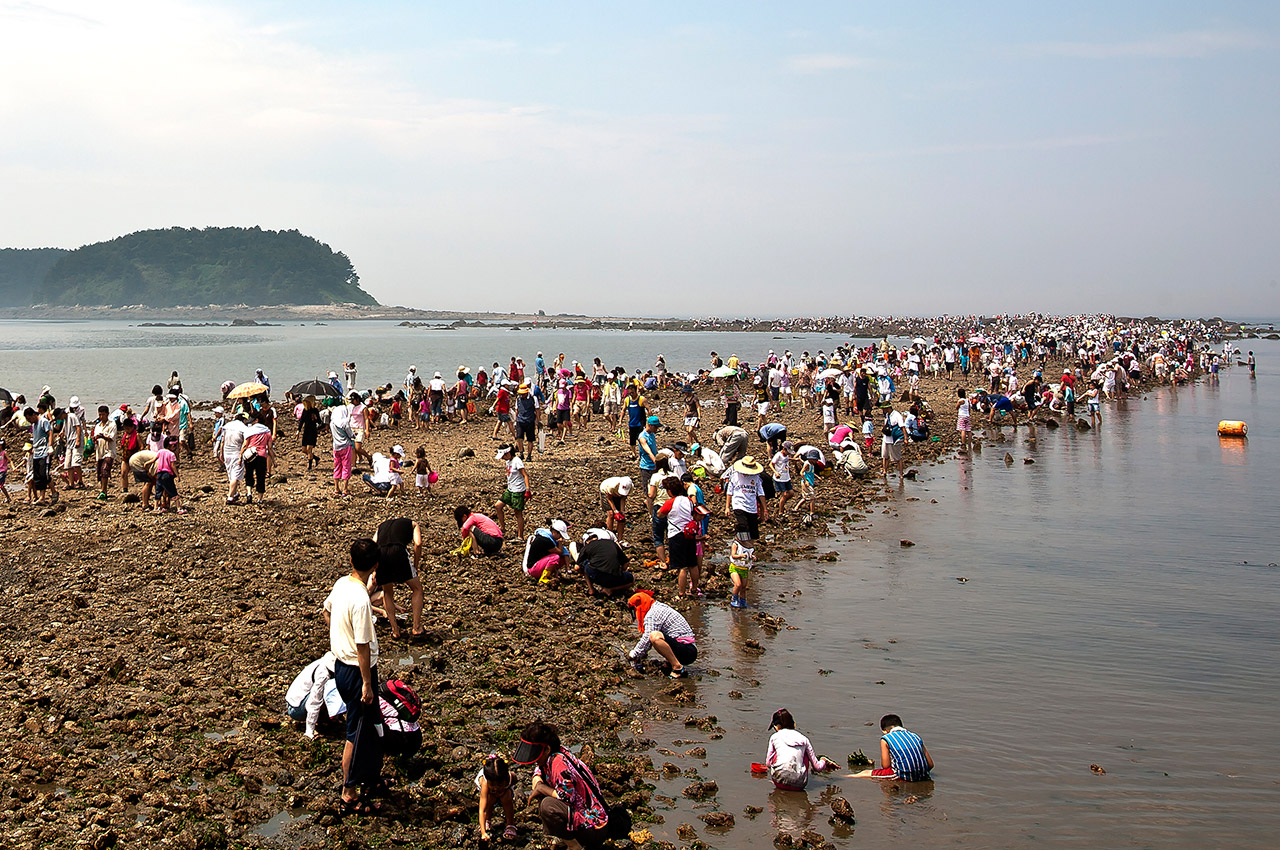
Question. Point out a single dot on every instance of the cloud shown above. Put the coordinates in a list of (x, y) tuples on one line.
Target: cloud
[(1183, 45), (820, 63)]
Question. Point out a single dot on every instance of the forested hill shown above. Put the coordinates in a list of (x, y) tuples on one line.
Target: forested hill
[(22, 270), (214, 265)]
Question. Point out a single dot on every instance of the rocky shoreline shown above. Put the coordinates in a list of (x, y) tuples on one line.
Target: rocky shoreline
[(146, 656)]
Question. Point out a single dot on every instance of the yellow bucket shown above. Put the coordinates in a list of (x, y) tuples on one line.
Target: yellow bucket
[(1231, 428)]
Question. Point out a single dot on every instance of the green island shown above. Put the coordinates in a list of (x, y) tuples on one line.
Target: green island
[(184, 266)]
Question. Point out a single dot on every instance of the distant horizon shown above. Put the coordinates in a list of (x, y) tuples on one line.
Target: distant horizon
[(694, 158)]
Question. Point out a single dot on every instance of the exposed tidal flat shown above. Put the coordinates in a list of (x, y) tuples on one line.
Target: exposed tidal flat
[(1118, 605)]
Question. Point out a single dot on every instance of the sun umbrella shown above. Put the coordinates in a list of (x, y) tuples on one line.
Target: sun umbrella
[(315, 387), (919, 341), (723, 372), (829, 373), (248, 390)]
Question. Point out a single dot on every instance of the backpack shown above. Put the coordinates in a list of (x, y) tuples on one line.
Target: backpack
[(402, 698)]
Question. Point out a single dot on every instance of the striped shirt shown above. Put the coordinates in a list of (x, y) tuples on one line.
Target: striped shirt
[(907, 755), (667, 620)]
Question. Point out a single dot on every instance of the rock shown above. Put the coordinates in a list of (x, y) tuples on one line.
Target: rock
[(783, 839), (696, 753), (961, 579), (841, 811), (466, 452), (809, 838), (1083, 425), (130, 498), (752, 811), (701, 790), (1008, 459), (1098, 769), (906, 544), (280, 478), (686, 832), (1028, 460), (718, 820), (911, 474), (1051, 424)]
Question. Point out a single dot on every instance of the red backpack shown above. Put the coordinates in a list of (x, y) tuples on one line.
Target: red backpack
[(402, 698)]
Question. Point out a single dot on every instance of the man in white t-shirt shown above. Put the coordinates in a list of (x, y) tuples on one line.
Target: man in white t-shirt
[(352, 640)]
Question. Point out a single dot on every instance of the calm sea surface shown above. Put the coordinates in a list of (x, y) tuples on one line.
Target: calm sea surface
[(1120, 608)]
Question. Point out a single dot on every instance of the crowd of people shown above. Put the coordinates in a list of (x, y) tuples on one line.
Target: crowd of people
[(688, 455)]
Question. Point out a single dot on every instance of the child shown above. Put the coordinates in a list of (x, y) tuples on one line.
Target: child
[(1093, 397), (395, 413), (868, 432), (155, 439), (422, 471), (808, 480), (902, 754), (791, 756), (4, 471), (828, 415), (166, 475), (740, 560), (494, 784), (30, 479)]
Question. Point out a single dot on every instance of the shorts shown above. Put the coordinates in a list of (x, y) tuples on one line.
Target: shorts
[(395, 566), (735, 570), (422, 481), (746, 525), (685, 653), (73, 458), (515, 501), (962, 424), (1094, 407), (580, 407), (235, 466), (296, 712), (562, 416), (164, 483), (691, 422), (781, 486), (4, 476), (104, 468), (488, 544), (343, 461), (526, 430), (762, 408), (611, 504), (40, 473), (682, 551), (891, 451), (504, 417), (828, 418)]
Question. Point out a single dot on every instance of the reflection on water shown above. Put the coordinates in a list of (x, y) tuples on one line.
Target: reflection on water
[(1118, 610)]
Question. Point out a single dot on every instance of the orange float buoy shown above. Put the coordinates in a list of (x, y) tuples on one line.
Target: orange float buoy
[(1232, 428)]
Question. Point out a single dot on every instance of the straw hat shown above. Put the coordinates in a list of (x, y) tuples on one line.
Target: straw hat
[(748, 466)]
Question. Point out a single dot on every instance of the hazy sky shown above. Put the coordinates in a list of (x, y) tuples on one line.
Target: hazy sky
[(652, 158)]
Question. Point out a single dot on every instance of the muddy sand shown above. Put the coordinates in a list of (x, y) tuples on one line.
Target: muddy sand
[(146, 656)]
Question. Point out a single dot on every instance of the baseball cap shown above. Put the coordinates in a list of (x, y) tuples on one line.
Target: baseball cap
[(397, 450), (653, 420)]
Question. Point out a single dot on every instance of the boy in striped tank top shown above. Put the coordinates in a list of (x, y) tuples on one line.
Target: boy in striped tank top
[(902, 754)]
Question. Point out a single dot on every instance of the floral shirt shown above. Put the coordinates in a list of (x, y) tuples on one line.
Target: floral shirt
[(586, 809)]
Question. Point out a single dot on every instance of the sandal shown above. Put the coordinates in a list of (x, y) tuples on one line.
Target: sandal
[(682, 673), (359, 806), (510, 833)]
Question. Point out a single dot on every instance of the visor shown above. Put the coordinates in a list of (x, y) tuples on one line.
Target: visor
[(527, 752)]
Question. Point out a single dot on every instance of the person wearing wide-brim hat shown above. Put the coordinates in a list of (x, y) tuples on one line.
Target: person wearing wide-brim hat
[(744, 499)]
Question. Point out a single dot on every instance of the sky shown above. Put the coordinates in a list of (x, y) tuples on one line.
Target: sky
[(674, 159)]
